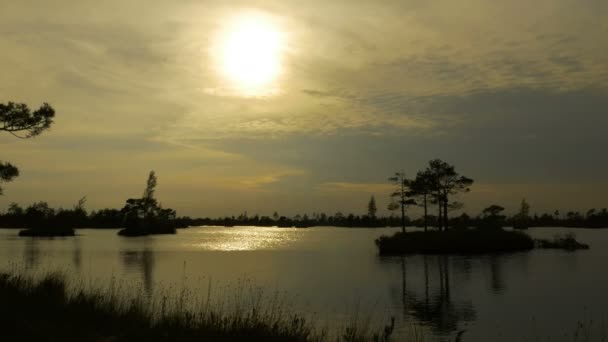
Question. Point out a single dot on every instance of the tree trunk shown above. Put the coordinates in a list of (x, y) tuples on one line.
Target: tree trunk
[(425, 215), (445, 212), (402, 206), (439, 217), (403, 218)]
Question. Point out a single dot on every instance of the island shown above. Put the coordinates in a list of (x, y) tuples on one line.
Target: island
[(145, 216)]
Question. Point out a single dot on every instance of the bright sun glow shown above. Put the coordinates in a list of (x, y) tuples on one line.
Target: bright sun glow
[(251, 52)]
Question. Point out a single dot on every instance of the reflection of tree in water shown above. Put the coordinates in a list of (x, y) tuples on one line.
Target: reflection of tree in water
[(31, 253), (498, 284), (435, 306), (143, 262), (77, 254)]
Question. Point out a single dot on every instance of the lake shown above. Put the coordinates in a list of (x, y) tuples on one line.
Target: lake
[(335, 274)]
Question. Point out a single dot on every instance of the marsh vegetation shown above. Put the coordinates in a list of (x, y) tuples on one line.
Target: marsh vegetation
[(49, 309)]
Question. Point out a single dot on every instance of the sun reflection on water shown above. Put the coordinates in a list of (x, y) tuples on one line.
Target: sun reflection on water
[(246, 238)]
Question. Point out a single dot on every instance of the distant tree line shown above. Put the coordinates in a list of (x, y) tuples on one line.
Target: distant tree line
[(39, 214), (139, 216), (432, 189), (493, 217)]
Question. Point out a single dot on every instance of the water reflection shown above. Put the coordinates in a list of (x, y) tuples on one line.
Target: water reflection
[(141, 262), (248, 240), (510, 297), (498, 284), (77, 253), (426, 295), (31, 253)]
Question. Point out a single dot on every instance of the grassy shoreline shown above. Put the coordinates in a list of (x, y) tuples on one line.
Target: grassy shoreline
[(48, 310)]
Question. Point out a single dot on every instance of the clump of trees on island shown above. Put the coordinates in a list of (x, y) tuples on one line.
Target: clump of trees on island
[(435, 185), (139, 216), (483, 234), (144, 216), (41, 220)]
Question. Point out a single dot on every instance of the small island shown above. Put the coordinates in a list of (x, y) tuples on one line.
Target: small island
[(47, 232), (145, 216), (470, 241), (139, 217), (43, 221), (435, 185), (567, 242)]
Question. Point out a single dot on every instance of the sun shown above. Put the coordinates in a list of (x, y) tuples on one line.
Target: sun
[(250, 52)]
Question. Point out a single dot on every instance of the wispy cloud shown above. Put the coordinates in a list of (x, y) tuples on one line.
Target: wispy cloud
[(367, 88), (344, 187)]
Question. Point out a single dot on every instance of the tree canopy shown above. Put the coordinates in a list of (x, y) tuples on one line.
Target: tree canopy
[(143, 216), (371, 208), (400, 198), (18, 120), (447, 183)]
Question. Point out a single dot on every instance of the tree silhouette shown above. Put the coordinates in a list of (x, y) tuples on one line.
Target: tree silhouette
[(143, 216), (18, 118), (7, 173), (522, 218), (148, 200), (371, 208), (447, 182), (423, 187), (491, 217), (399, 197)]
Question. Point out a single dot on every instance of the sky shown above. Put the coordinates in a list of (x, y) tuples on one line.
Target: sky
[(513, 93)]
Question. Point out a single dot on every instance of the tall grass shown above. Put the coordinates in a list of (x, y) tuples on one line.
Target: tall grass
[(49, 309)]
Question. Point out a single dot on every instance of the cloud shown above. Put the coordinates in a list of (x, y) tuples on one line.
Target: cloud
[(344, 187), (367, 89)]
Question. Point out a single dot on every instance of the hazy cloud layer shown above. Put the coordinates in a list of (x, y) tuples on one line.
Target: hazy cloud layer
[(511, 92)]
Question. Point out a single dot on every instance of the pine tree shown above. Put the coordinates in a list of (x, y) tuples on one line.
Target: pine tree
[(371, 208)]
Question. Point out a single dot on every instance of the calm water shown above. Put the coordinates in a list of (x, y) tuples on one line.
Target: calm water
[(335, 272)]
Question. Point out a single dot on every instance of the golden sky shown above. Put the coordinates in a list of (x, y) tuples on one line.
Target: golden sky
[(307, 106)]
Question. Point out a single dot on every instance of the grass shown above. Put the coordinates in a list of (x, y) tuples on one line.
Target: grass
[(50, 310), (466, 241)]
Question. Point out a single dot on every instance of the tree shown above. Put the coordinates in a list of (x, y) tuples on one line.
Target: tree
[(491, 217), (144, 215), (7, 173), (149, 203), (15, 210), (139, 208), (400, 196), (422, 187), (447, 182), (371, 208), (521, 219), (38, 215), (17, 118)]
